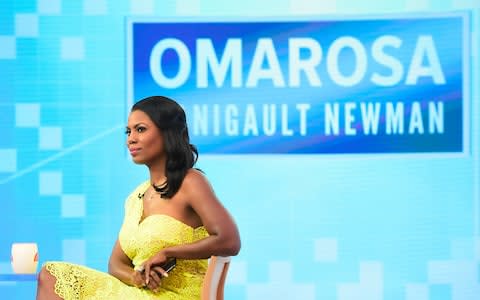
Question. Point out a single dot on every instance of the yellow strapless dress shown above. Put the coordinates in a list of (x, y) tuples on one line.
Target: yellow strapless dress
[(139, 241)]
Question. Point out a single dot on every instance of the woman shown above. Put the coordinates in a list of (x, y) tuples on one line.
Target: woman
[(175, 214)]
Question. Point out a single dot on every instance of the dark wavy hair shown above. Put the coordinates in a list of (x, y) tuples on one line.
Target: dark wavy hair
[(170, 118)]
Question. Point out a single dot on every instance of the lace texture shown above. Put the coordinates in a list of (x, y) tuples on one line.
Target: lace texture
[(139, 241)]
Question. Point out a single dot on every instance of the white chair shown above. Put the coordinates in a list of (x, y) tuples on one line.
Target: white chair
[(214, 280)]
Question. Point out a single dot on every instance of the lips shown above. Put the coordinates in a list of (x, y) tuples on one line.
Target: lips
[(134, 151)]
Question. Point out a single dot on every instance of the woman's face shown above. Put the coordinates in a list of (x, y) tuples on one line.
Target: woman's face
[(144, 139)]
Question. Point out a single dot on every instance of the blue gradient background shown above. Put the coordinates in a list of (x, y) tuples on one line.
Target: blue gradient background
[(364, 226)]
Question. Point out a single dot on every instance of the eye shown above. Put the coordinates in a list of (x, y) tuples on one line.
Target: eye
[(127, 132), (141, 129)]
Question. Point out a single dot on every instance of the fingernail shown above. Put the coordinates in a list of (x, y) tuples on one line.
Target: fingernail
[(165, 274)]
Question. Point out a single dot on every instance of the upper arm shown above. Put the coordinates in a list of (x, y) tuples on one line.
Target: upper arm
[(118, 256), (214, 216)]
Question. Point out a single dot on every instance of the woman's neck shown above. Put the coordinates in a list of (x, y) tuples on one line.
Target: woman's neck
[(157, 175)]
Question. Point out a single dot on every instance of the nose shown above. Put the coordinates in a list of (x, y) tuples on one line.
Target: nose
[(131, 139)]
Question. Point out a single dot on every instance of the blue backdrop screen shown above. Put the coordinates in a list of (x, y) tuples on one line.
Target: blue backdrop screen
[(342, 136), (336, 86)]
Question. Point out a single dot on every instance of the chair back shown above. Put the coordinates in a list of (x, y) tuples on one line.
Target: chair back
[(214, 280)]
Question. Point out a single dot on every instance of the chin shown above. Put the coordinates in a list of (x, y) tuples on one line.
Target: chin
[(138, 160)]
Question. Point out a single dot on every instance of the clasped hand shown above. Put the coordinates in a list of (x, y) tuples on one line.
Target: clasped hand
[(150, 273)]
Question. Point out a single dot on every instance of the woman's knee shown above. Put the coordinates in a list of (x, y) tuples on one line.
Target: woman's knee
[(46, 285), (45, 278)]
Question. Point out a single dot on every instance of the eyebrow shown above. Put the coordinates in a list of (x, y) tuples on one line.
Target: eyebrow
[(136, 125)]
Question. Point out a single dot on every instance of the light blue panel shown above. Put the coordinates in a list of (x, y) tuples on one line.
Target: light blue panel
[(417, 292), (146, 7), (188, 8), (95, 7), (74, 251), (440, 292), (237, 273), (5, 267), (26, 25), (326, 250), (280, 285), (27, 115), (9, 160), (50, 183), (441, 4), (370, 6), (73, 206), (50, 138), (61, 25), (463, 249), (72, 7), (167, 8), (370, 285), (245, 8), (9, 47), (49, 7), (72, 48)]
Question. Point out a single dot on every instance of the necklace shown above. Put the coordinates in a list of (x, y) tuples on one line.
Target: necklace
[(160, 188), (141, 196), (153, 192)]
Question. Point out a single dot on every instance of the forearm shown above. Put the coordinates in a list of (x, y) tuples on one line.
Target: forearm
[(122, 271), (204, 248)]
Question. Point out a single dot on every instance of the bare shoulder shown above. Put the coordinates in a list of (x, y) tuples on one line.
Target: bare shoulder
[(195, 178), (196, 187)]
